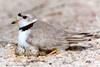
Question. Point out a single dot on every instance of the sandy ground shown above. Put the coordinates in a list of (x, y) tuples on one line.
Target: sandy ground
[(77, 55), (66, 15)]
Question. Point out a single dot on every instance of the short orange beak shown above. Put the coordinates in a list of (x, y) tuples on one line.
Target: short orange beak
[(14, 22)]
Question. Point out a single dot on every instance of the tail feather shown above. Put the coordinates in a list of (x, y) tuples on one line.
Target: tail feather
[(80, 37)]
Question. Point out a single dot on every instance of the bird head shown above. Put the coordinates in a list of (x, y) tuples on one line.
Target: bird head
[(23, 20)]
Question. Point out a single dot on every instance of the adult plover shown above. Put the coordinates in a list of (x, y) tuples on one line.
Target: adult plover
[(34, 34)]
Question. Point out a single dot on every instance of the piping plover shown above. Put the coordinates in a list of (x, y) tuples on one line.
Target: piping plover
[(34, 34)]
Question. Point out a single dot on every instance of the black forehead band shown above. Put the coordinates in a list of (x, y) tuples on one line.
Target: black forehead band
[(20, 15)]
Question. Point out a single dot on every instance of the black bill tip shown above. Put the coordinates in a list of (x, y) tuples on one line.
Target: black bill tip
[(13, 22)]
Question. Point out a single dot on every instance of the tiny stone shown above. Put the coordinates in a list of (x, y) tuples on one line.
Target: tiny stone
[(50, 63), (88, 61), (89, 40)]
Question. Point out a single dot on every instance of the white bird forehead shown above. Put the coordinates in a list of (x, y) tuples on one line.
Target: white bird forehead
[(28, 15)]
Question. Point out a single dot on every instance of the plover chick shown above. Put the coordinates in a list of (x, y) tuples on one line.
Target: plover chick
[(34, 34)]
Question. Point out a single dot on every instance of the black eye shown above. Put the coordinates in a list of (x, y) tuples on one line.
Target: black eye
[(19, 14), (24, 17)]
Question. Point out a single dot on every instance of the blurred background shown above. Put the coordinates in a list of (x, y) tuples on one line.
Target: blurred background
[(61, 16), (67, 15)]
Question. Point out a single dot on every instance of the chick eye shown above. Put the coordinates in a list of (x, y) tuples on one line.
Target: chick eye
[(24, 17)]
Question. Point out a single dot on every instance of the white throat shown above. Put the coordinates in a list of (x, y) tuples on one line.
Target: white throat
[(23, 35), (23, 23)]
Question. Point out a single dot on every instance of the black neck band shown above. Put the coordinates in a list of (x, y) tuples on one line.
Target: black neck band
[(26, 27)]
